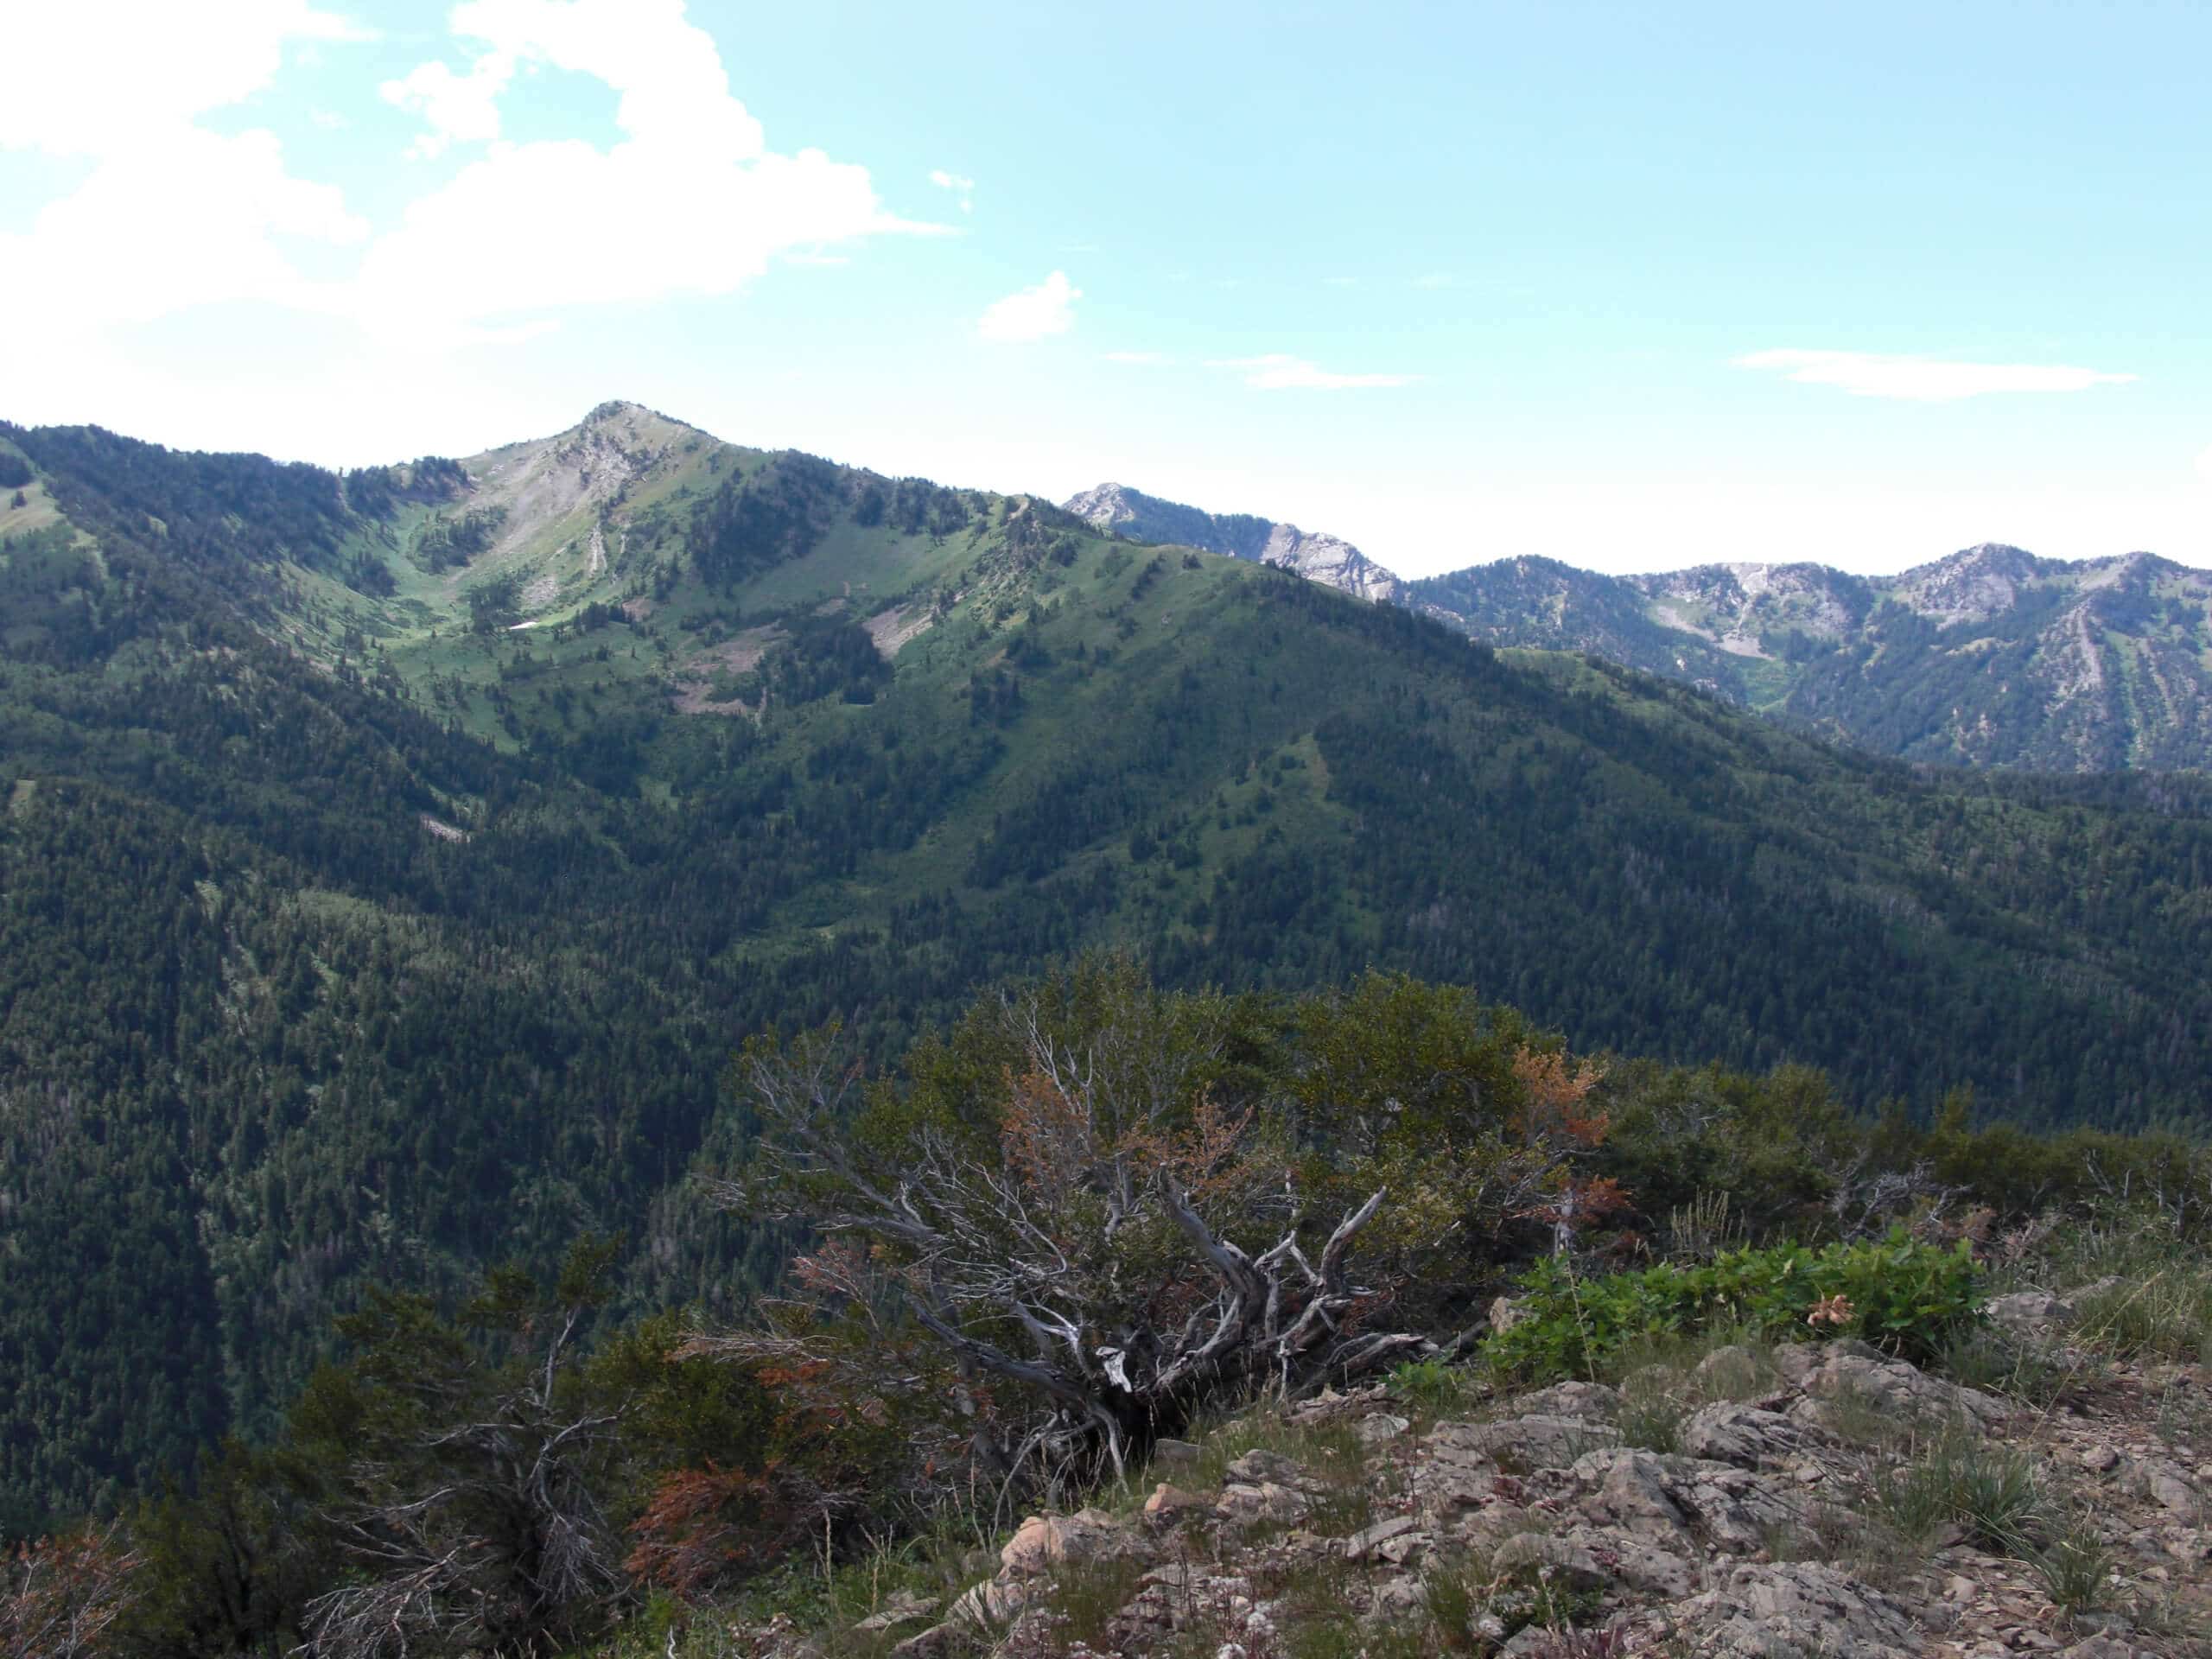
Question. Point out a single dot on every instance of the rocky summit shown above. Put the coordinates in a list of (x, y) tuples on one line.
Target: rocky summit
[(1811, 1499), (1325, 559)]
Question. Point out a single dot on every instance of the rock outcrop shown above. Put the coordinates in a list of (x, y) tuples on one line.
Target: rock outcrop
[(1537, 1526)]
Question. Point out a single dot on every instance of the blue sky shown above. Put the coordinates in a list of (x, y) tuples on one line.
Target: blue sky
[(1633, 287)]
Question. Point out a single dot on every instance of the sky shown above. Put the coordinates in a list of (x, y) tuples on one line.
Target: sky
[(1634, 287)]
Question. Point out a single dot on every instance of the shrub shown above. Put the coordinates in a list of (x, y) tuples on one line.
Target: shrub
[(1430, 1384), (1902, 1294)]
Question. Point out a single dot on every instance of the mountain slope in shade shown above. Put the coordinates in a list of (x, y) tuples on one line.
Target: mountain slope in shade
[(1325, 559)]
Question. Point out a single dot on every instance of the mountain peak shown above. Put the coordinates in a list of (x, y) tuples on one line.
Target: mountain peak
[(1972, 585), (1323, 558)]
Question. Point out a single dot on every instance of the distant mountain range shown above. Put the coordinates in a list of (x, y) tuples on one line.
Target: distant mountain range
[(1990, 656)]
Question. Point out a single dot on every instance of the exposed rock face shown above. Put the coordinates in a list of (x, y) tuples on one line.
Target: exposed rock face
[(1738, 606), (1048, 1540), (1851, 1372), (1744, 1435), (1321, 558)]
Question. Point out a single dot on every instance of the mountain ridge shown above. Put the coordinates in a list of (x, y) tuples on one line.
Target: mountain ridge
[(354, 929), (1988, 656)]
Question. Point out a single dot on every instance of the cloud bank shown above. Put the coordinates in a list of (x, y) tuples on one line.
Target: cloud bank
[(1279, 371), (1923, 379)]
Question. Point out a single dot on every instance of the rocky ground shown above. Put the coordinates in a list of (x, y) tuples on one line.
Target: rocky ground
[(1810, 1499)]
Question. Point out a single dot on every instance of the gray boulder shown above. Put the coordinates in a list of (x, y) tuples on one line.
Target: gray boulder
[(1797, 1608)]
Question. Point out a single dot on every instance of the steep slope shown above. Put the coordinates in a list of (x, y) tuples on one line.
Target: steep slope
[(1325, 559), (388, 863)]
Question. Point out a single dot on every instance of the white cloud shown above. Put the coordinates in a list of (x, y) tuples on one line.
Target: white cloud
[(1150, 359), (1921, 379), (1340, 281), (459, 108), (692, 166), (1034, 314), (964, 188), (174, 216), (1278, 372), (104, 77), (329, 120), (171, 215), (1434, 279), (193, 220)]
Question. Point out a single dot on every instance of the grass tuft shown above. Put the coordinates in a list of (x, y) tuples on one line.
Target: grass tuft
[(1990, 1492)]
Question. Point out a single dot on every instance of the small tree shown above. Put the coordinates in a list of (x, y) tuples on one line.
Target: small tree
[(468, 1456), (231, 1564)]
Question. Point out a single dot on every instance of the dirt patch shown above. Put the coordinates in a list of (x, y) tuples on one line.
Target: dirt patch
[(443, 830), (892, 629), (695, 681), (637, 609), (542, 591)]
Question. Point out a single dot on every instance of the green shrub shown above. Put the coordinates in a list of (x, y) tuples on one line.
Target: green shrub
[(1429, 1384), (1899, 1294)]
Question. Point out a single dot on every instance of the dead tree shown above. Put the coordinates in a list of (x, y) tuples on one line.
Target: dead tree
[(1076, 1236), (477, 1536)]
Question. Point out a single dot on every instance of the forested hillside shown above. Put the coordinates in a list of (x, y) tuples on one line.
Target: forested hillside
[(390, 864)]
